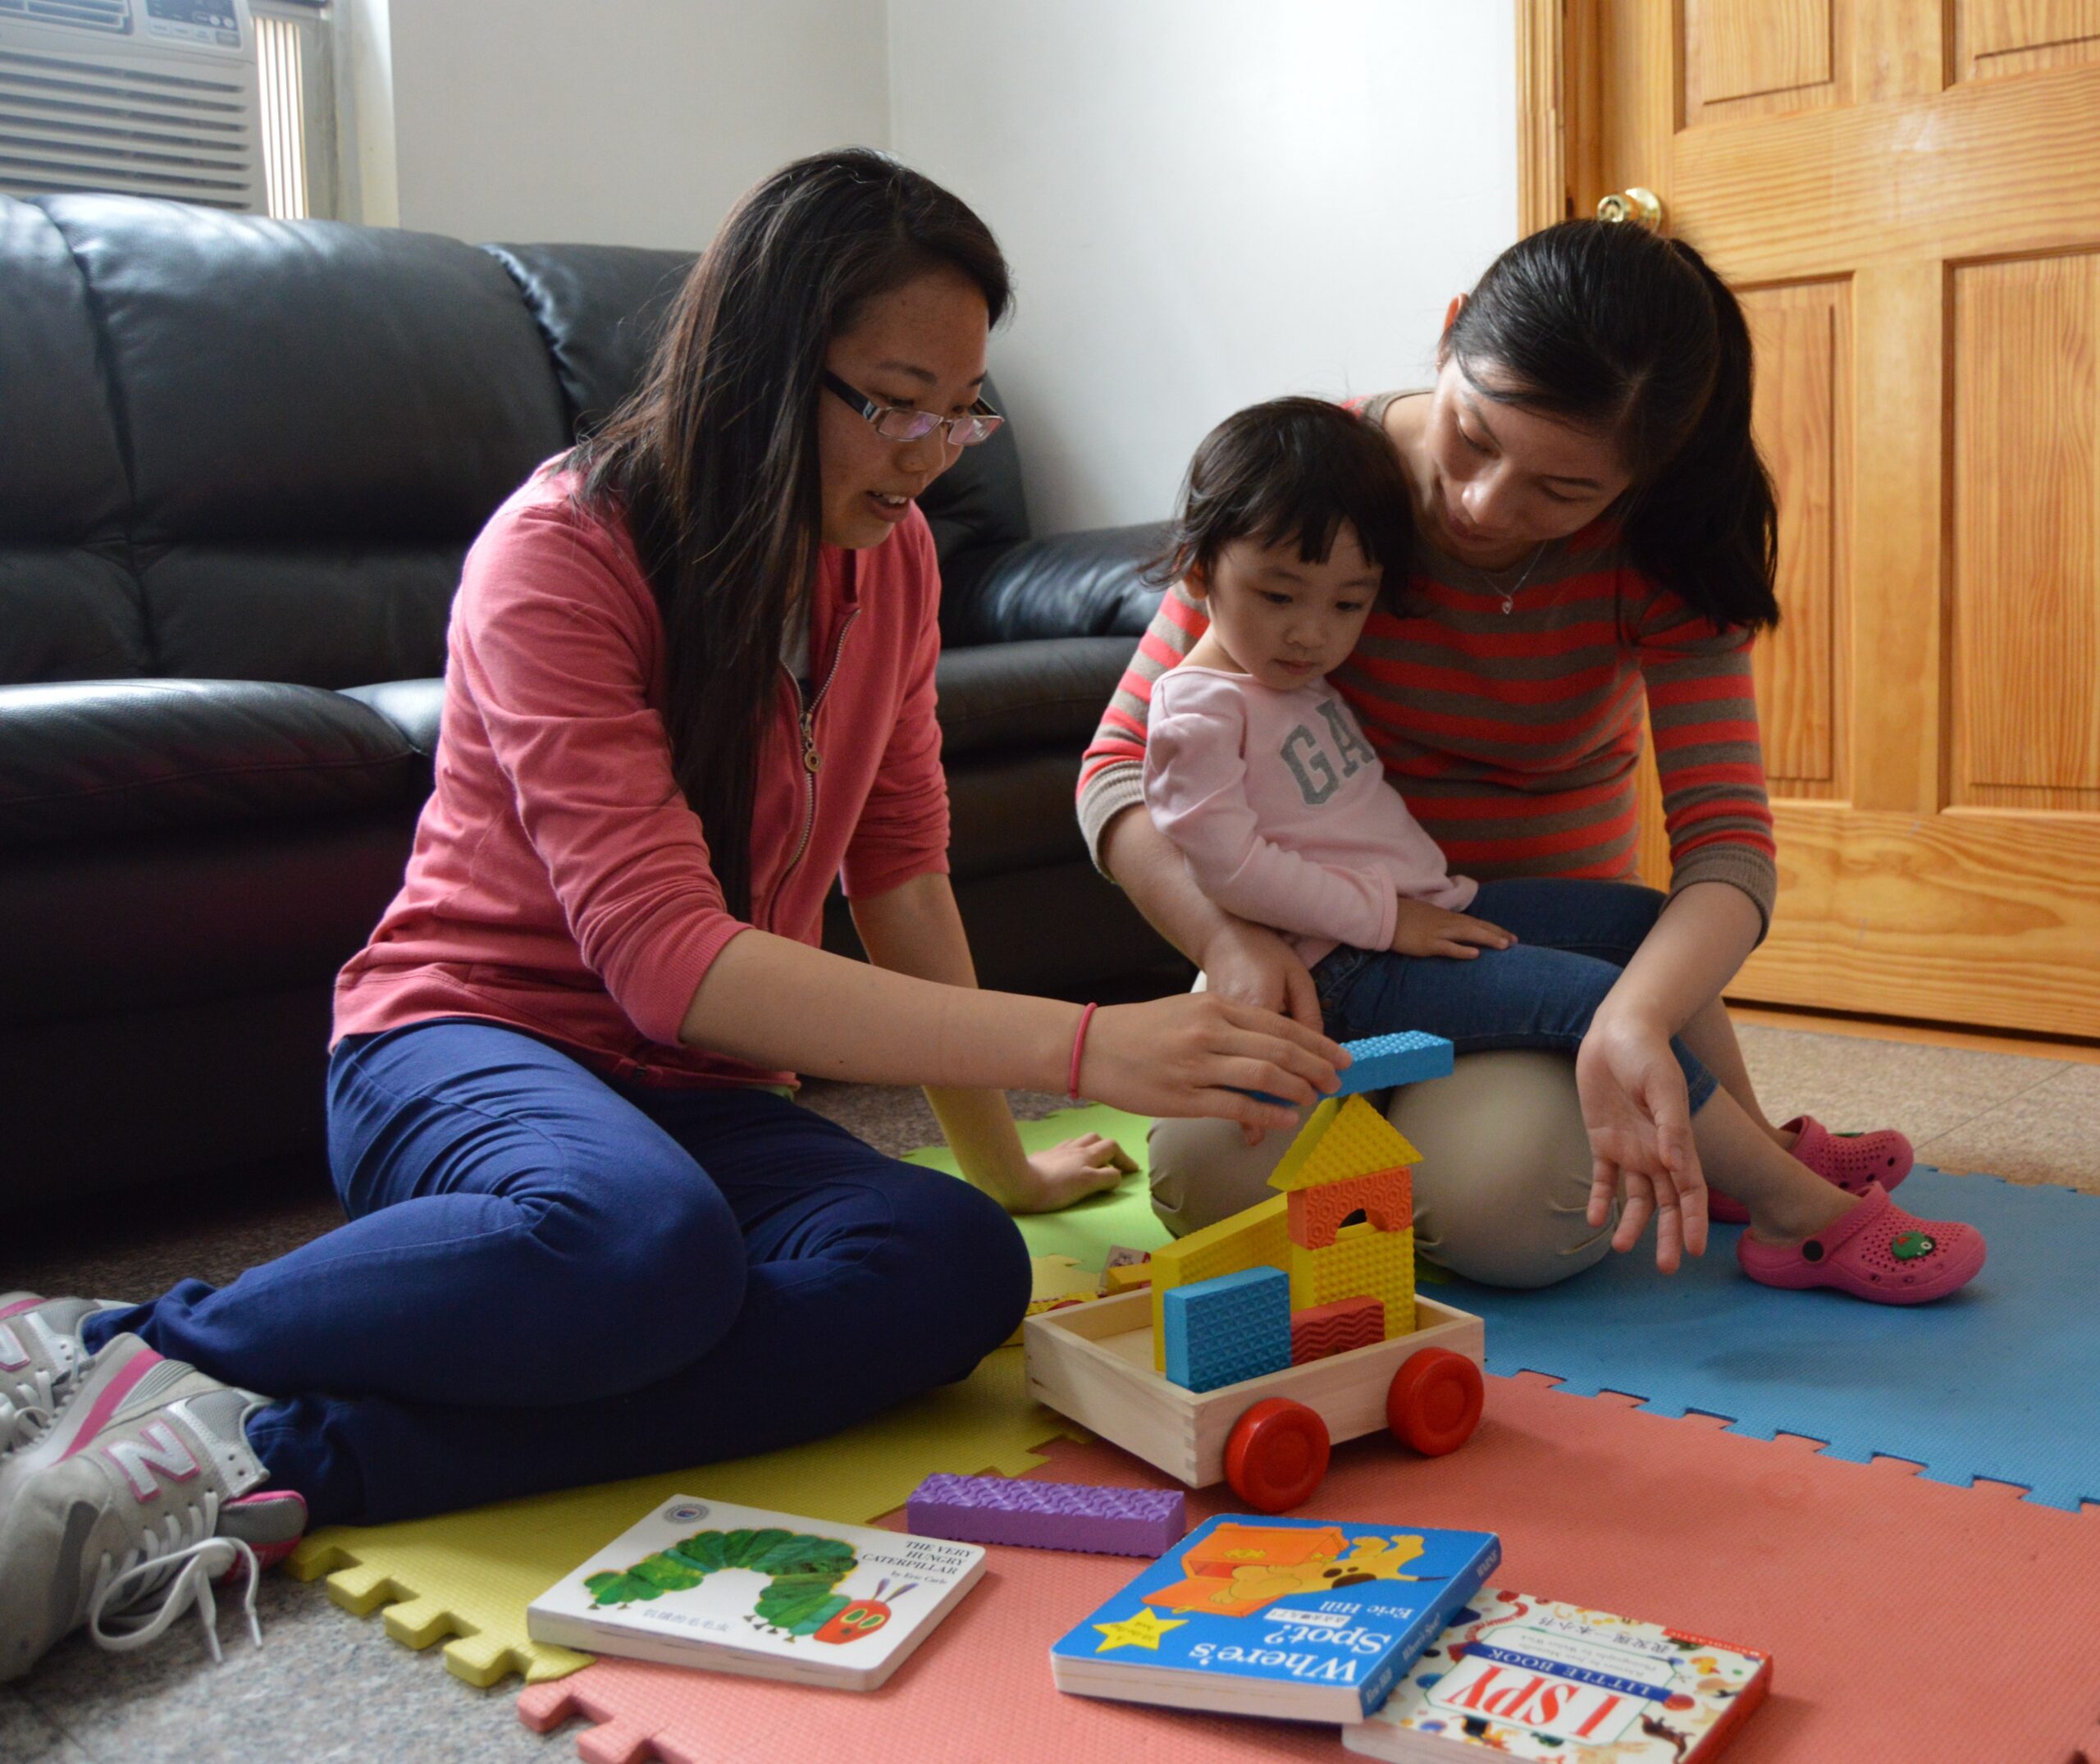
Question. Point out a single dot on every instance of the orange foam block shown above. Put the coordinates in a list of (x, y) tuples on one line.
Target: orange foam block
[(1908, 1619), (1335, 1328), (1384, 1197)]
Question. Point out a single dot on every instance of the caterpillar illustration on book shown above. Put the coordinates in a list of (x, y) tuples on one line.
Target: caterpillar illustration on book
[(1240, 1569), (797, 1599)]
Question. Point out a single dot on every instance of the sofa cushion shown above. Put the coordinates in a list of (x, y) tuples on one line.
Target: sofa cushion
[(321, 615), (600, 309), (130, 756), (62, 473), (68, 614), (1050, 693), (412, 706), (1085, 583), (309, 382)]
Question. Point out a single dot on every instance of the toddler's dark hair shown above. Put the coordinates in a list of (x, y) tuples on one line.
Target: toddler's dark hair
[(1294, 470)]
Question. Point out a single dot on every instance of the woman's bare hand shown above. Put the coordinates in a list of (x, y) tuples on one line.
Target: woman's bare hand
[(1200, 1053)]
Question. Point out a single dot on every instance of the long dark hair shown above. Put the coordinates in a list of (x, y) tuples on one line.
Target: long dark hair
[(1293, 471), (1612, 327), (713, 458)]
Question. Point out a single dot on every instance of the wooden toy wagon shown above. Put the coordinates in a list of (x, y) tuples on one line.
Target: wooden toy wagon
[(1264, 1338)]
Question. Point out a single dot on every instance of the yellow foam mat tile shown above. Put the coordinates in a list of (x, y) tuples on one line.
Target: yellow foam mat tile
[(469, 1576)]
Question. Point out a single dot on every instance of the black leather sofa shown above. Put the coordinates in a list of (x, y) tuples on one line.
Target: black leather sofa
[(239, 463)]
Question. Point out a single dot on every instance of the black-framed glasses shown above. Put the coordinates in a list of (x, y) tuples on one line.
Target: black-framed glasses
[(898, 424)]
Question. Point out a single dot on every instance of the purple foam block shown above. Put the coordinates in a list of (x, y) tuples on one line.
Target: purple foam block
[(1049, 1515)]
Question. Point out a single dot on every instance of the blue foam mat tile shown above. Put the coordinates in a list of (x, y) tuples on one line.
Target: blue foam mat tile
[(1999, 1381)]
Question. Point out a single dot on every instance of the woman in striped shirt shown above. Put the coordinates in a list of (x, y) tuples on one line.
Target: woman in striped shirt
[(1595, 529)]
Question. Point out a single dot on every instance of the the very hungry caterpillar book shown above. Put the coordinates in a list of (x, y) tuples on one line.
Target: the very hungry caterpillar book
[(1522, 1677), (1296, 1617), (740, 1589)]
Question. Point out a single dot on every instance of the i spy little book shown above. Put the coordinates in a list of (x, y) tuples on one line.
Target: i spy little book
[(740, 1589), (1520, 1677), (1289, 1617)]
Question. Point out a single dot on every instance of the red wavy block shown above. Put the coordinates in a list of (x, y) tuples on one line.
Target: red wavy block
[(1324, 1329)]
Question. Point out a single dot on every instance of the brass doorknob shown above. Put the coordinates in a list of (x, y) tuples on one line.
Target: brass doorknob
[(1642, 206)]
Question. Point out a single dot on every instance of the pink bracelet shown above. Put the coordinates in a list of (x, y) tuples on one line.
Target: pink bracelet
[(1079, 1047)]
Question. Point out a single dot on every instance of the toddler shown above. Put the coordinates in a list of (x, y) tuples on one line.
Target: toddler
[(1295, 524)]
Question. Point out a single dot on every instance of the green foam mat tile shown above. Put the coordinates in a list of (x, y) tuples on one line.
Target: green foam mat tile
[(1088, 1231)]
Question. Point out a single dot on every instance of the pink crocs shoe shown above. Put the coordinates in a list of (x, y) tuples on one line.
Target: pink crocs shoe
[(1876, 1252), (1850, 1160)]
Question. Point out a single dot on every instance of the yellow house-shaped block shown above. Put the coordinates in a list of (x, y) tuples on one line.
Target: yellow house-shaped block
[(1346, 1145)]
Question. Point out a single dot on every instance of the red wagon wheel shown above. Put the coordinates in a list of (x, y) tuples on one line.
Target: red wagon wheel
[(1434, 1403), (1276, 1455)]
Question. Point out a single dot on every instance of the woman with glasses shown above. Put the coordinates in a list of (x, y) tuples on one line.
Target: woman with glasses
[(690, 681)]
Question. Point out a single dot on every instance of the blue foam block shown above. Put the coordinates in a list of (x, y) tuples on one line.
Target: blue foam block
[(1220, 1331), (1380, 1061), (1996, 1381)]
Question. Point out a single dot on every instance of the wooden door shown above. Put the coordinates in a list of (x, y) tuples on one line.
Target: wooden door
[(1906, 193)]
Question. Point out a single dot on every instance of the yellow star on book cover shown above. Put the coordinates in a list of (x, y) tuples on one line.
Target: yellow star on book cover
[(1144, 1630)]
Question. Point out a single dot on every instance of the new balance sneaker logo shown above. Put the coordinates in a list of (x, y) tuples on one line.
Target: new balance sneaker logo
[(159, 1448), (13, 1355)]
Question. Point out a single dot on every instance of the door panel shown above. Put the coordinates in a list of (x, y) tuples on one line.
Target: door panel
[(1906, 195), (2026, 579), (1802, 330), (1760, 57)]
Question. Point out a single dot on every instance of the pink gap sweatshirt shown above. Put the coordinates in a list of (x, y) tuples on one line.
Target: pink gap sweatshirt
[(559, 881), (1283, 810)]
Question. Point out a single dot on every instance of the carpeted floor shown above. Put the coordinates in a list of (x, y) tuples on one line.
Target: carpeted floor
[(328, 1687)]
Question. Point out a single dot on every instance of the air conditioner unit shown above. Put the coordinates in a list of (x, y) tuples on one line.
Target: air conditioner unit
[(148, 97)]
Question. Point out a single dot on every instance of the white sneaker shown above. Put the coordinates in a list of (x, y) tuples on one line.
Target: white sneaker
[(41, 1357), (120, 1513)]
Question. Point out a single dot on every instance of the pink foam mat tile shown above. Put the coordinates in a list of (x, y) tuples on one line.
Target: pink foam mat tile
[(1911, 1621)]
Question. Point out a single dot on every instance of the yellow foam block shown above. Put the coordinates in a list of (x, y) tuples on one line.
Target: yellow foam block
[(1285, 1173), (469, 1576), (1362, 1261), (1355, 1141), (1127, 1277), (1262, 1234)]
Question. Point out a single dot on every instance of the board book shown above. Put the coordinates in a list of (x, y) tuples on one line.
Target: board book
[(1289, 1617), (1520, 1677), (741, 1590)]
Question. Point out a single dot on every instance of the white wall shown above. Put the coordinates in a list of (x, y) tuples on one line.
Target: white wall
[(1206, 202), (631, 122)]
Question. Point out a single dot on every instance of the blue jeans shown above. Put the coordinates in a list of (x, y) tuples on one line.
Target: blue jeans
[(549, 1279), (1573, 938)]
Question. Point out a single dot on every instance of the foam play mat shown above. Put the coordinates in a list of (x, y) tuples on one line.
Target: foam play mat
[(469, 1576), (1088, 1231), (1997, 1380), (1907, 1618)]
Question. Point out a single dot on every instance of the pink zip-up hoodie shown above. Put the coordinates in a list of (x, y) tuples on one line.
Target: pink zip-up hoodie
[(1283, 810), (559, 881)]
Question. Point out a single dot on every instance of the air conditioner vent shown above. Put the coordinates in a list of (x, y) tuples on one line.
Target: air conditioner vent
[(117, 111), (108, 16)]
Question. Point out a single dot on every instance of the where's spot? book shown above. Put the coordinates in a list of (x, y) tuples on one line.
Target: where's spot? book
[(1520, 1677), (1289, 1617), (769, 1595)]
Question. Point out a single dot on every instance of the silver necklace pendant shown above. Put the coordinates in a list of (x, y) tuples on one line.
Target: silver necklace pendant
[(1509, 593)]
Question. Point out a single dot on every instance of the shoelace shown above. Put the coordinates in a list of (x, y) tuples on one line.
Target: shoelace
[(182, 1574), (24, 1424), (37, 1404)]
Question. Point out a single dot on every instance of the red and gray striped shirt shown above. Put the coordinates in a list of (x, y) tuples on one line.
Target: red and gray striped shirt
[(1514, 737)]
